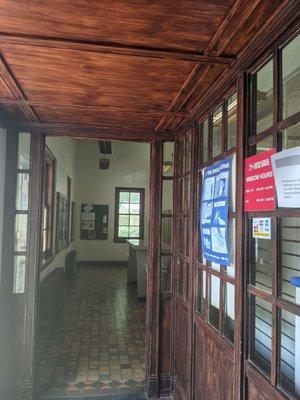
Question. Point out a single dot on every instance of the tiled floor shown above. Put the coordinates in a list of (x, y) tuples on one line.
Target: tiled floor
[(97, 345)]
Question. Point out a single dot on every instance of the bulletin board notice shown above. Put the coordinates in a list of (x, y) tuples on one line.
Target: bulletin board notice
[(94, 222)]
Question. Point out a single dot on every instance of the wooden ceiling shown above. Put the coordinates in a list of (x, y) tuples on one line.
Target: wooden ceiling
[(118, 69)]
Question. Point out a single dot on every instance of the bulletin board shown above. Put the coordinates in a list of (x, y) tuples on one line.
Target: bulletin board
[(94, 222)]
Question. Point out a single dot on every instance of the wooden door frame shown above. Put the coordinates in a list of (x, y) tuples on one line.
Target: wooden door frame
[(30, 300)]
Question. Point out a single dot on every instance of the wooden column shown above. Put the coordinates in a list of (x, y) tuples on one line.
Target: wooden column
[(32, 278), (239, 287), (153, 278)]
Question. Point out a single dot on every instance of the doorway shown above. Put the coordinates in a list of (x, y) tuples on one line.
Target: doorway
[(92, 312)]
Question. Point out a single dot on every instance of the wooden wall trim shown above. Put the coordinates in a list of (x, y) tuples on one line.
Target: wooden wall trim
[(15, 89), (153, 279), (32, 278), (239, 286), (116, 48), (92, 131), (260, 382)]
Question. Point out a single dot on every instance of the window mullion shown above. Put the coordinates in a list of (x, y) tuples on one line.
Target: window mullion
[(274, 307)]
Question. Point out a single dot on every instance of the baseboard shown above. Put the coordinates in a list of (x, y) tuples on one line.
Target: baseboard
[(102, 263)]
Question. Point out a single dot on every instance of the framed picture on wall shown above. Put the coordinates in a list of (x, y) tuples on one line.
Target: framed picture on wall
[(62, 222), (73, 221)]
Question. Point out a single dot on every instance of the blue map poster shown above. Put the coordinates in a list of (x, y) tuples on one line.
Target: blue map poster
[(214, 212)]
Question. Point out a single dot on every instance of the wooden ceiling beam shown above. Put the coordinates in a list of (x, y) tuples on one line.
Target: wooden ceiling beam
[(117, 48), (55, 105), (16, 91), (93, 131)]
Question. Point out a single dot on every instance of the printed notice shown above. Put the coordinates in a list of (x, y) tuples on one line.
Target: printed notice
[(259, 182), (261, 228), (286, 167), (214, 212)]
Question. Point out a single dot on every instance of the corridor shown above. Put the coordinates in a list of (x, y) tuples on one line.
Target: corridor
[(97, 345)]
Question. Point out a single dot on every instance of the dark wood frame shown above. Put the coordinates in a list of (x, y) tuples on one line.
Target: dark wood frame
[(49, 162), (224, 278), (69, 189), (73, 222), (274, 132), (141, 191), (61, 200)]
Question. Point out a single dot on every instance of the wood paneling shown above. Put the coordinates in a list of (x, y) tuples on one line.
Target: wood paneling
[(214, 369), (165, 339), (254, 393), (183, 24), (181, 345)]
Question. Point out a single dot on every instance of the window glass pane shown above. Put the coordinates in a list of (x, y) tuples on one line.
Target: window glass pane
[(166, 234), (19, 274), (217, 131), (264, 145), (264, 97), (291, 137), (124, 208), (20, 232), (289, 371), (233, 184), (124, 197), (214, 306), (231, 121), (135, 197), (22, 192), (262, 267), (291, 78), (165, 271), (123, 231), (24, 151), (44, 247), (134, 220), (134, 232), (229, 312), (290, 258), (167, 197), (230, 269), (205, 141), (168, 159), (261, 338), (134, 208), (215, 266), (202, 292), (123, 219), (45, 218)]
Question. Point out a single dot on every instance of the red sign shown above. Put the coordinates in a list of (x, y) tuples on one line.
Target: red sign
[(259, 182)]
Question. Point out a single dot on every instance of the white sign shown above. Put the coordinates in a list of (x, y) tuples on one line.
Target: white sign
[(286, 169), (261, 228), (88, 216)]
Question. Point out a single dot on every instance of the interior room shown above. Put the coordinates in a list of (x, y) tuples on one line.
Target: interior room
[(92, 290)]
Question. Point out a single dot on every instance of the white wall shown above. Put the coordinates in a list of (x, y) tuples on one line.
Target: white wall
[(129, 167), (2, 178), (64, 150)]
